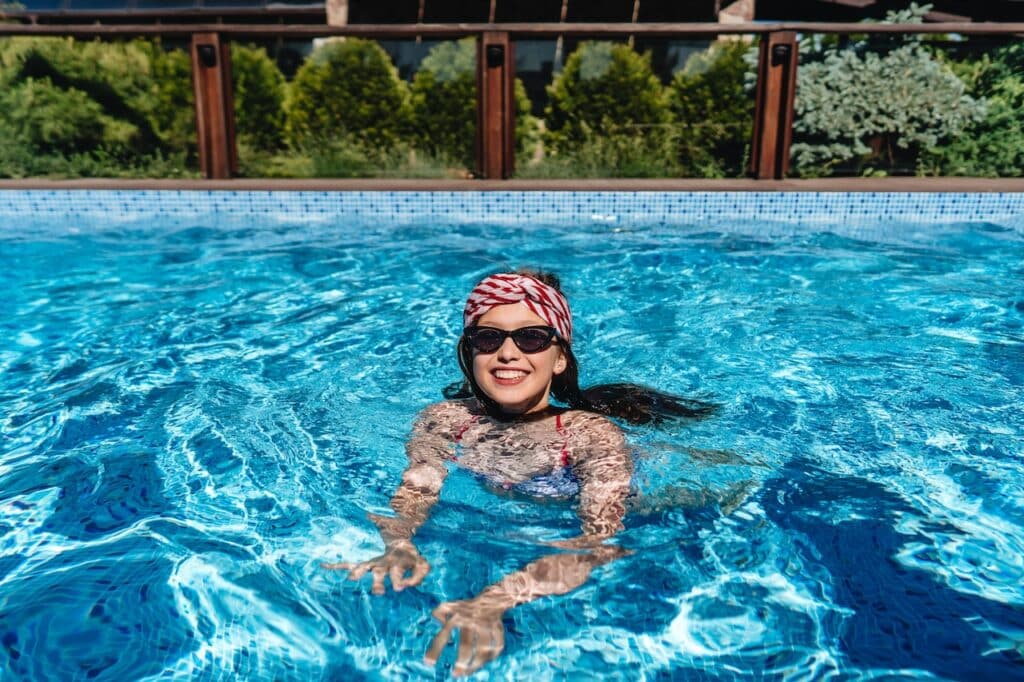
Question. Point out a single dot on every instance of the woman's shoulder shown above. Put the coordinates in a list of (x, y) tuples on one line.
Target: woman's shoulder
[(583, 422), (446, 415)]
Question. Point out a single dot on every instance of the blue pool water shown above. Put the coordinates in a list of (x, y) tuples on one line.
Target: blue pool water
[(196, 412)]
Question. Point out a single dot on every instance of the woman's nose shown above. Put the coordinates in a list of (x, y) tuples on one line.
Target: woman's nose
[(508, 349)]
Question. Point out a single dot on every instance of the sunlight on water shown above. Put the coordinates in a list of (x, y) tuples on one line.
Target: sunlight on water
[(194, 416)]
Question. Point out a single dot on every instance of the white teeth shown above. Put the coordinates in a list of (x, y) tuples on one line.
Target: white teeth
[(509, 373)]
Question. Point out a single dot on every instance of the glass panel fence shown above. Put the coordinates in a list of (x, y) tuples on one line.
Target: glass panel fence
[(909, 105), (650, 109), (865, 105), (357, 108), (74, 108)]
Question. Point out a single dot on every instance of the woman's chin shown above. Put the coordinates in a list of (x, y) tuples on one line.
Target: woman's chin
[(512, 404)]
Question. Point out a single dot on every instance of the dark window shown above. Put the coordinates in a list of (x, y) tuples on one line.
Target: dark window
[(383, 12), (456, 11), (600, 10), (694, 10), (528, 10)]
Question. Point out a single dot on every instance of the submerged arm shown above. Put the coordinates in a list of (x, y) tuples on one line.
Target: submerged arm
[(420, 487), (604, 467), (427, 449)]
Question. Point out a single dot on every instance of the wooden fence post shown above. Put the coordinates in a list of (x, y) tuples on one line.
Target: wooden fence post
[(215, 108), (496, 113), (774, 114)]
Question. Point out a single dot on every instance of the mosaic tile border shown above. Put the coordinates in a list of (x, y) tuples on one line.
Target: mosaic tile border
[(850, 210)]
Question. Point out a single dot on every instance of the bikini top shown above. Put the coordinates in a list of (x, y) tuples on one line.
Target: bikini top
[(560, 483), (563, 455)]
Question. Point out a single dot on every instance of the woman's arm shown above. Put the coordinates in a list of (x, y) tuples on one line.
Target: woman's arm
[(602, 463), (604, 467), (427, 449)]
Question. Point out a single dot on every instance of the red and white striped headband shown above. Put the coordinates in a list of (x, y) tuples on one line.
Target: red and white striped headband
[(544, 301)]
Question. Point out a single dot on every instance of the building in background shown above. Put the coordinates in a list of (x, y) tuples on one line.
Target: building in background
[(536, 60)]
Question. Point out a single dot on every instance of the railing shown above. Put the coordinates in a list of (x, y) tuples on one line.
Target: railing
[(776, 72)]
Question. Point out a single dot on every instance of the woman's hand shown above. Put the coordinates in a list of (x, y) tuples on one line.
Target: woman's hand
[(399, 559), (481, 632)]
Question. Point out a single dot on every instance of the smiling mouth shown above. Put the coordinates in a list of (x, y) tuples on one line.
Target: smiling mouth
[(508, 377)]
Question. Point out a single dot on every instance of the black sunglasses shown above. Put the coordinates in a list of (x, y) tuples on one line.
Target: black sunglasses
[(527, 339)]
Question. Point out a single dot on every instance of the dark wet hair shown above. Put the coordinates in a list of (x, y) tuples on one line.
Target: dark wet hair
[(630, 402)]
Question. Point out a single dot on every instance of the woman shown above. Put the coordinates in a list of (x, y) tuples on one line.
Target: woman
[(515, 352)]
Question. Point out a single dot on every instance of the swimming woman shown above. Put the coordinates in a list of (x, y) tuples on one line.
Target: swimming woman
[(515, 353)]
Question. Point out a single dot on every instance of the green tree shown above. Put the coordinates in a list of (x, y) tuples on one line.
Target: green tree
[(444, 105), (347, 89), (49, 119), (713, 110), (871, 107), (259, 90), (84, 108), (993, 146), (172, 99), (444, 102), (605, 89), (115, 77)]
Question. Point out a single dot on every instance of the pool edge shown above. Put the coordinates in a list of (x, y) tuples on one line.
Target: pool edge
[(845, 185)]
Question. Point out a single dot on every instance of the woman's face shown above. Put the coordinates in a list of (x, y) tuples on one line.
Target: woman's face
[(519, 382)]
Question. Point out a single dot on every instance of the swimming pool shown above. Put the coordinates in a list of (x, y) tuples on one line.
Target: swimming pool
[(204, 394)]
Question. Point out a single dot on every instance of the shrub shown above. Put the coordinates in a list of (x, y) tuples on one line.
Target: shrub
[(347, 89), (621, 155), (259, 89), (444, 101), (113, 77), (85, 108), (993, 146), (604, 89), (713, 111), (444, 105), (172, 99), (49, 119), (876, 109)]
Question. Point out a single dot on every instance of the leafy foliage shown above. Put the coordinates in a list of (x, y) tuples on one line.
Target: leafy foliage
[(876, 107), (444, 104), (259, 93), (347, 89), (605, 89), (172, 99), (80, 107), (620, 155), (993, 146), (62, 75), (713, 111), (444, 101)]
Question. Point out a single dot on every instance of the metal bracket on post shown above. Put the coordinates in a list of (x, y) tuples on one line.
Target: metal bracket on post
[(774, 113), (496, 114), (215, 108)]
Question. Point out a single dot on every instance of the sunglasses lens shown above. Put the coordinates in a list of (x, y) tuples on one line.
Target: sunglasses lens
[(531, 340), (527, 339), (486, 340)]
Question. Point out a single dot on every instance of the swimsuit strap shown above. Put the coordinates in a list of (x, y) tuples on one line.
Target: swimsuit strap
[(564, 454), (465, 427)]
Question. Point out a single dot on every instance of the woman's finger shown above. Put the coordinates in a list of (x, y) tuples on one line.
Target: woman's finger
[(397, 575), (438, 643), (340, 566), (419, 572), (467, 649), (359, 570), (378, 580), (492, 644)]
